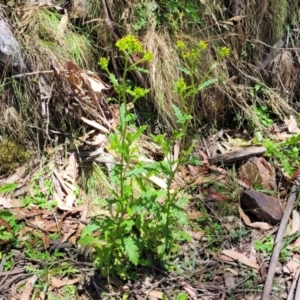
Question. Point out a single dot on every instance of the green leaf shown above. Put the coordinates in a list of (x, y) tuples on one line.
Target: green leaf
[(8, 188), (206, 83), (89, 229), (182, 296), (292, 140), (131, 250), (135, 172), (181, 117), (127, 225), (132, 137), (213, 66), (113, 80), (141, 70), (122, 115), (184, 70)]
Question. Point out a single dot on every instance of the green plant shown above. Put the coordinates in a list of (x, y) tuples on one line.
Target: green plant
[(263, 115), (178, 12), (213, 232), (7, 260), (41, 198), (187, 86), (50, 261), (266, 246), (9, 226), (173, 12), (142, 218), (10, 187), (142, 12), (251, 279), (286, 153), (182, 296), (237, 234), (254, 91)]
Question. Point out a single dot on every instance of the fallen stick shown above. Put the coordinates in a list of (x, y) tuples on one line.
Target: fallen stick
[(266, 295), (241, 154), (293, 286)]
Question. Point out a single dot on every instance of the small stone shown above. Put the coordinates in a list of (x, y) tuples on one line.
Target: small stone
[(263, 207), (256, 170)]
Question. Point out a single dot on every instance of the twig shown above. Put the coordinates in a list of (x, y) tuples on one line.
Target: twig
[(293, 286), (297, 294), (156, 284), (278, 242), (32, 73)]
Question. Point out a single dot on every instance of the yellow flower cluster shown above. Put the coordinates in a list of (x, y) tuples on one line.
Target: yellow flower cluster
[(129, 44)]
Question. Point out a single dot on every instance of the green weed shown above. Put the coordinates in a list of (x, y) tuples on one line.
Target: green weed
[(40, 197), (188, 86), (9, 232), (263, 115), (149, 220), (286, 153)]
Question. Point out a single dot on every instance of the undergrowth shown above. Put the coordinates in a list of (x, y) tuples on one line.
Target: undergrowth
[(149, 220)]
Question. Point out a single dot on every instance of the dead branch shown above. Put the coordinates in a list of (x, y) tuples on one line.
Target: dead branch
[(279, 238)]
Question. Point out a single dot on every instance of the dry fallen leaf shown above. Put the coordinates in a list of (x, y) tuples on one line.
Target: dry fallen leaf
[(62, 26), (246, 219), (95, 83), (293, 264), (9, 203), (194, 215), (29, 287), (240, 258), (95, 125), (295, 222), (292, 125), (190, 290), (72, 168), (58, 283), (154, 294), (197, 235)]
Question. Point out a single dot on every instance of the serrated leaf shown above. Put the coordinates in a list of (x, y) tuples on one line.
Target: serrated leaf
[(135, 172), (184, 70), (137, 133), (127, 225), (213, 66), (206, 83), (89, 229), (131, 250), (113, 79)]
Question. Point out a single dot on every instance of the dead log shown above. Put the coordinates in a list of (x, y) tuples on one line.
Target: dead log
[(237, 155)]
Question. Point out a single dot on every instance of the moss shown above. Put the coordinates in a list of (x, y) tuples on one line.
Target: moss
[(12, 155)]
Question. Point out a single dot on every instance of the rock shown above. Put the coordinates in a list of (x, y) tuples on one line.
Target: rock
[(257, 171), (10, 50), (263, 207)]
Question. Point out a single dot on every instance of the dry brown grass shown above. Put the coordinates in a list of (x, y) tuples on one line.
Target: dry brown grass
[(250, 43), (163, 72)]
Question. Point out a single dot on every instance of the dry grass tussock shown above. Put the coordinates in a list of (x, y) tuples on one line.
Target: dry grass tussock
[(45, 42), (163, 72)]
